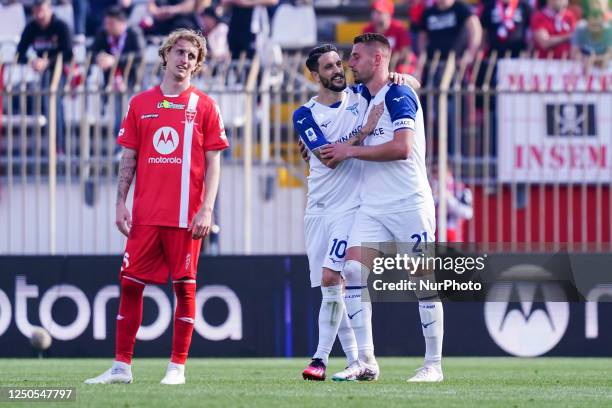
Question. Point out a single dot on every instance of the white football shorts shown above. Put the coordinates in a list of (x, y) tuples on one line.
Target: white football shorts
[(410, 228), (326, 238)]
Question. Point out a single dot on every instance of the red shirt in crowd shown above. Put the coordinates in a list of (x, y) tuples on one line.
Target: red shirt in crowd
[(555, 24), (171, 135), (396, 34)]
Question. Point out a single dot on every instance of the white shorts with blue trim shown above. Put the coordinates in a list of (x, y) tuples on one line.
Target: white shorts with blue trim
[(326, 238), (409, 228)]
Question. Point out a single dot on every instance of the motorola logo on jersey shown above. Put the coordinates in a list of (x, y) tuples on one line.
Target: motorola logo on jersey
[(519, 319), (165, 140)]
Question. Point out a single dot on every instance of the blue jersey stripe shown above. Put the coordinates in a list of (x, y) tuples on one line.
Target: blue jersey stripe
[(308, 129)]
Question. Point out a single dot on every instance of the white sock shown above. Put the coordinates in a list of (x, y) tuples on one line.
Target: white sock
[(347, 339), (432, 322), (330, 315), (359, 310)]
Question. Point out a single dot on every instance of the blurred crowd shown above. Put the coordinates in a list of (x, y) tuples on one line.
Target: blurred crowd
[(554, 29), (548, 28), (116, 32)]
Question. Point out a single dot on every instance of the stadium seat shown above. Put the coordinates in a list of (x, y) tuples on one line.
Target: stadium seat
[(231, 104), (138, 13), (12, 22), (80, 53), (327, 3), (18, 74), (346, 32), (8, 50), (65, 13), (288, 34), (151, 55)]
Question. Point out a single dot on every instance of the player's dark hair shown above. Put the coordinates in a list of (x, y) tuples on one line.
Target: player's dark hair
[(312, 62), (115, 12), (369, 38)]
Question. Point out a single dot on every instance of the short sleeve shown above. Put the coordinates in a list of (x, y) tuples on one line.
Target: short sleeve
[(463, 13), (537, 22), (128, 134), (485, 18), (65, 40), (527, 12), (402, 36), (369, 28), (214, 130), (421, 24), (308, 129), (402, 106)]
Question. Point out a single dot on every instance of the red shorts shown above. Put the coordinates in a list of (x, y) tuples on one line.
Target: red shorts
[(152, 252)]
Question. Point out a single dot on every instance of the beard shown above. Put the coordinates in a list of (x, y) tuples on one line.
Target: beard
[(329, 84)]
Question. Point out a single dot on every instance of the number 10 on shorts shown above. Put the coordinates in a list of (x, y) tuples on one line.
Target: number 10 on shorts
[(338, 248)]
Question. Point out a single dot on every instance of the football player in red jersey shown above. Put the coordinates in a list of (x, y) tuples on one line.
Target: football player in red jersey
[(172, 137)]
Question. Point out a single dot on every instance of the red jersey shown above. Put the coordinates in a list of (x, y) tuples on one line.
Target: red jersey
[(396, 34), (171, 134), (555, 24)]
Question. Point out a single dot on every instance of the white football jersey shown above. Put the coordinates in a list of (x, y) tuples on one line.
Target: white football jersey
[(397, 185), (332, 190)]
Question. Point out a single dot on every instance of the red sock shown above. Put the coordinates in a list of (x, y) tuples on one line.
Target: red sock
[(184, 318), (128, 319)]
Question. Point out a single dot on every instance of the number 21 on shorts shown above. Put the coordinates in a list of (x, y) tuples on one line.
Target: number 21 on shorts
[(417, 241)]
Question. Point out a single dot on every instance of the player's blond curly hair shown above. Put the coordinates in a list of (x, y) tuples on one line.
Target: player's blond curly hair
[(194, 37)]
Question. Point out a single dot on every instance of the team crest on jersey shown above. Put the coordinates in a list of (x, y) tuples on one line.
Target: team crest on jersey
[(190, 115), (311, 135), (354, 109)]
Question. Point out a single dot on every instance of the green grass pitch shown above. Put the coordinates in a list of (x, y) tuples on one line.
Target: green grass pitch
[(469, 382)]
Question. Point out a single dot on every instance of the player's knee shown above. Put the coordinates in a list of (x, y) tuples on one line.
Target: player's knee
[(185, 299), (425, 285), (184, 287), (355, 273), (330, 278), (131, 286)]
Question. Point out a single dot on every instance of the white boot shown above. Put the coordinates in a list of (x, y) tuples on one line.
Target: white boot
[(350, 373), (428, 373), (119, 373), (175, 374)]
